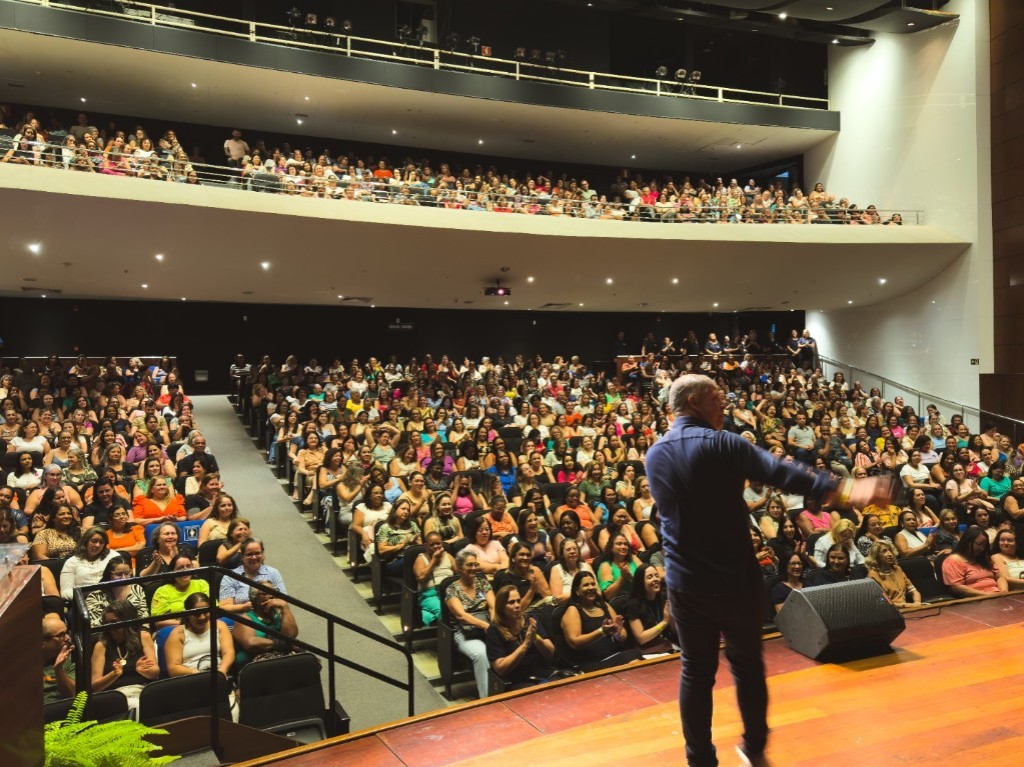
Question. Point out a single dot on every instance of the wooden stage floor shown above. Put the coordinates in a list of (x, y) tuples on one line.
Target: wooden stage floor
[(950, 691)]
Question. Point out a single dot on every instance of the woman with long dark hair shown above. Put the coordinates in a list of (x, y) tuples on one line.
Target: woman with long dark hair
[(969, 570)]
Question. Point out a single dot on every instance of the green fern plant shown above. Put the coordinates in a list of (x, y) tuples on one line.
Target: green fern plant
[(74, 743)]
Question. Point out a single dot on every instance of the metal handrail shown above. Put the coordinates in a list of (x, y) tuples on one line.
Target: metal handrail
[(972, 415), (86, 629), (433, 57), (369, 189)]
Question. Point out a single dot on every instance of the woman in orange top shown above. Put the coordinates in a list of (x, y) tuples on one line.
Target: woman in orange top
[(123, 536), (573, 503), (158, 503)]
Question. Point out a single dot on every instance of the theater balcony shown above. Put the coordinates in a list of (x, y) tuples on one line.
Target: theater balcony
[(90, 235)]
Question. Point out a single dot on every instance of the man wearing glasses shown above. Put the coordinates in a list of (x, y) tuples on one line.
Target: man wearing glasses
[(58, 665)]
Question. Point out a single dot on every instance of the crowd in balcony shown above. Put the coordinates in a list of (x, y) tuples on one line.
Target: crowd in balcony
[(327, 174), (530, 474)]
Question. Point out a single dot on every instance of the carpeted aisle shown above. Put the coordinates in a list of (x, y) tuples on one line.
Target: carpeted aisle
[(309, 572)]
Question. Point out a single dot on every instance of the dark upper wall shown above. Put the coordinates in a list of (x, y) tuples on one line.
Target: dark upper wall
[(594, 39), (206, 336)]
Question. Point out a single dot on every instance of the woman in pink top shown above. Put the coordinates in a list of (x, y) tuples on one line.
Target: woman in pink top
[(968, 571)]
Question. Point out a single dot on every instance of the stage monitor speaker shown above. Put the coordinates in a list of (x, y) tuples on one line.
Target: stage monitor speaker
[(840, 621)]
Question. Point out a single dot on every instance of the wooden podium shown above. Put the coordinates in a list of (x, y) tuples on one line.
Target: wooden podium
[(21, 726)]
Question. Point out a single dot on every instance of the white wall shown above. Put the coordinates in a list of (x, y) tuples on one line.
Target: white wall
[(915, 135)]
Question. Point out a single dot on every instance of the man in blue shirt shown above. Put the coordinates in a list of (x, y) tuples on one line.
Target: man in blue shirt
[(697, 474)]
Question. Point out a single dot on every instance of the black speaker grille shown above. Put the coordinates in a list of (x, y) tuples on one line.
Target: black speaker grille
[(844, 606)]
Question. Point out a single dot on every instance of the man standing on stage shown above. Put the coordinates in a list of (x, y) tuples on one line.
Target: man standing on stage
[(697, 473)]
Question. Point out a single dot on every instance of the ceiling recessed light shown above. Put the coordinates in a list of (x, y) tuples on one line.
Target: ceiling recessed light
[(373, 306), (506, 303), (394, 132), (43, 295), (783, 16), (265, 265), (632, 157), (299, 121), (609, 281), (715, 305), (159, 256), (145, 285), (850, 301), (184, 299), (910, 23), (675, 280), (739, 146), (529, 279), (35, 248), (479, 141), (835, 41), (194, 85), (83, 99), (340, 296), (882, 280), (581, 304), (306, 98), (829, 8)]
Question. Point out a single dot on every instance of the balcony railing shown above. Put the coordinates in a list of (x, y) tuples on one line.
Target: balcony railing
[(428, 55)]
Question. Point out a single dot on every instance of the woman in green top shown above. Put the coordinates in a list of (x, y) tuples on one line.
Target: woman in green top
[(170, 598), (615, 575), (78, 472), (268, 611)]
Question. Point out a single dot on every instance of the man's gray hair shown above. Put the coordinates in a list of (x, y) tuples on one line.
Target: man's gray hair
[(686, 386)]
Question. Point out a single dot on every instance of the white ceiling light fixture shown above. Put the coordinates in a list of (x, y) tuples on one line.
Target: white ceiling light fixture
[(145, 285), (882, 280), (675, 280), (35, 248), (159, 256), (783, 16), (529, 279), (194, 85), (265, 265), (609, 281), (83, 99)]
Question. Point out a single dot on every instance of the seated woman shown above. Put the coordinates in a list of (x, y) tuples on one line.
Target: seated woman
[(152, 468), (59, 539), (947, 534), (615, 573), (267, 611), (159, 503), (372, 510), (764, 554), (470, 600), (397, 534), (431, 568), (620, 522), (116, 571), (1007, 562), (968, 571), (843, 532), (963, 494), (532, 535), (593, 631), (572, 502), (789, 541), (569, 528), (910, 542), (78, 473), (644, 501), (566, 567), (124, 659), (166, 548), (883, 569), (870, 530), (525, 577), (647, 612), (491, 555), (9, 528), (170, 597), (836, 569), (983, 519), (919, 505), (223, 511), (792, 581), (85, 567), (25, 476), (124, 536), (813, 519), (229, 553), (442, 519), (518, 649), (187, 649), (772, 518)]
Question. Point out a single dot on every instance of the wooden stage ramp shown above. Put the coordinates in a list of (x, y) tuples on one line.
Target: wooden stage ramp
[(951, 693)]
